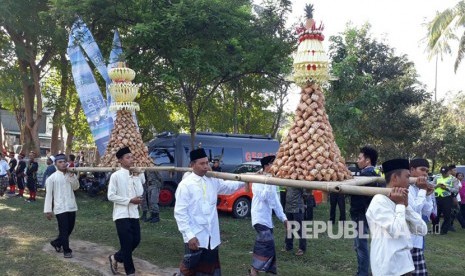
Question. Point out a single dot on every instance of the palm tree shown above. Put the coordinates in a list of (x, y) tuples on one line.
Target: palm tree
[(442, 29)]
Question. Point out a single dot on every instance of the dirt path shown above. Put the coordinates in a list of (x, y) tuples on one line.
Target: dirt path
[(95, 256)]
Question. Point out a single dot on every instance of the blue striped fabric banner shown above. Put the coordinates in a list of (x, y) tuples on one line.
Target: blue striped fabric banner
[(93, 104)]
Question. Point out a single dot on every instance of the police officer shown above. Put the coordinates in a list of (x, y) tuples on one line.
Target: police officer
[(150, 197), (445, 190)]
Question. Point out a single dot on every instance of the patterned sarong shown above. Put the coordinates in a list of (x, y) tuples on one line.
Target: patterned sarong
[(264, 252), (419, 262)]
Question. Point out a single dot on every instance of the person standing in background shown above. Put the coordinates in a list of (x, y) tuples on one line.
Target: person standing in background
[(31, 177), (366, 162), (4, 174), (12, 181), (49, 170), (20, 174)]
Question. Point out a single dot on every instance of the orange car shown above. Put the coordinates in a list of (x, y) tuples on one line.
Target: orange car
[(240, 202)]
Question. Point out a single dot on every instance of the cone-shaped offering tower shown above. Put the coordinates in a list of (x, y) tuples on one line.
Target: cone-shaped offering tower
[(309, 152), (125, 132)]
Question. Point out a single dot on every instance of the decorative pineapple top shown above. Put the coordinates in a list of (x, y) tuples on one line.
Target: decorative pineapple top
[(310, 61)]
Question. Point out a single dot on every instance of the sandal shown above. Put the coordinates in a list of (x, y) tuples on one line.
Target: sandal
[(252, 272), (113, 264), (57, 248), (299, 252)]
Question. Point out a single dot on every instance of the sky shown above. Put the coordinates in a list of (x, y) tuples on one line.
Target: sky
[(400, 24)]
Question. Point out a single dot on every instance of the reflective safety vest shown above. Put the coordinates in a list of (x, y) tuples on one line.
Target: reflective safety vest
[(448, 182)]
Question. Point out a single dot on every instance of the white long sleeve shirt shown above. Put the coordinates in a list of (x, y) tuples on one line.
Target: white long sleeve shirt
[(195, 209), (422, 205), (59, 197), (122, 188), (265, 199), (391, 227)]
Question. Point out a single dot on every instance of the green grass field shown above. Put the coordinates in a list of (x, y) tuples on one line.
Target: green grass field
[(24, 231)]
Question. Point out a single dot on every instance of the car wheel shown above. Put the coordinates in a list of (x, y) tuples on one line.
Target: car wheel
[(241, 207), (166, 197)]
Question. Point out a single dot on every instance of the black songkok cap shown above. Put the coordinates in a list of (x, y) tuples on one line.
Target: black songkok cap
[(419, 162), (60, 157), (395, 164), (197, 154), (267, 160), (122, 152)]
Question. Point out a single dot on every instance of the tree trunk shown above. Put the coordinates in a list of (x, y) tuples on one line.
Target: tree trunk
[(235, 108), (69, 139), (57, 115), (192, 122), (32, 96)]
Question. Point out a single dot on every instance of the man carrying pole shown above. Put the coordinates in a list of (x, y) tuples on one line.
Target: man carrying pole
[(125, 191), (197, 218), (265, 200), (420, 198), (392, 221), (60, 200)]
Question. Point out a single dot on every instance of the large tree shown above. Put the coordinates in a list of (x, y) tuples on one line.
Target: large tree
[(186, 52), (197, 46), (371, 98), (33, 34)]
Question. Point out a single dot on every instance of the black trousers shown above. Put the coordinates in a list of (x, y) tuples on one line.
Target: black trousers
[(337, 199), (66, 223), (282, 198), (289, 242), (31, 184), (129, 238), (444, 208), (462, 210), (20, 182)]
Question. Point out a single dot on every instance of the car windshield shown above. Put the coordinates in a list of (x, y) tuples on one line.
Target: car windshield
[(163, 156)]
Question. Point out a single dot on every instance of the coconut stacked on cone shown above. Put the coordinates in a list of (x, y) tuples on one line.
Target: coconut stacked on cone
[(309, 151), (125, 132)]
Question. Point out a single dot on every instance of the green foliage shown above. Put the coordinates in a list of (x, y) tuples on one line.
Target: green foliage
[(370, 101), (443, 29)]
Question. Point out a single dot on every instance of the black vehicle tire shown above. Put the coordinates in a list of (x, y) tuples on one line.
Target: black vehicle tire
[(166, 197), (241, 207)]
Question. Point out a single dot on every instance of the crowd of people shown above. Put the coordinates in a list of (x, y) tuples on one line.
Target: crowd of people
[(18, 173)]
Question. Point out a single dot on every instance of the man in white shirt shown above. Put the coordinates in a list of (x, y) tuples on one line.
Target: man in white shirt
[(197, 218), (392, 221), (125, 191), (265, 200), (421, 201), (60, 200), (4, 174)]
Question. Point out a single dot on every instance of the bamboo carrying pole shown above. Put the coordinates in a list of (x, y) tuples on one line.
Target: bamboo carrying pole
[(351, 186)]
